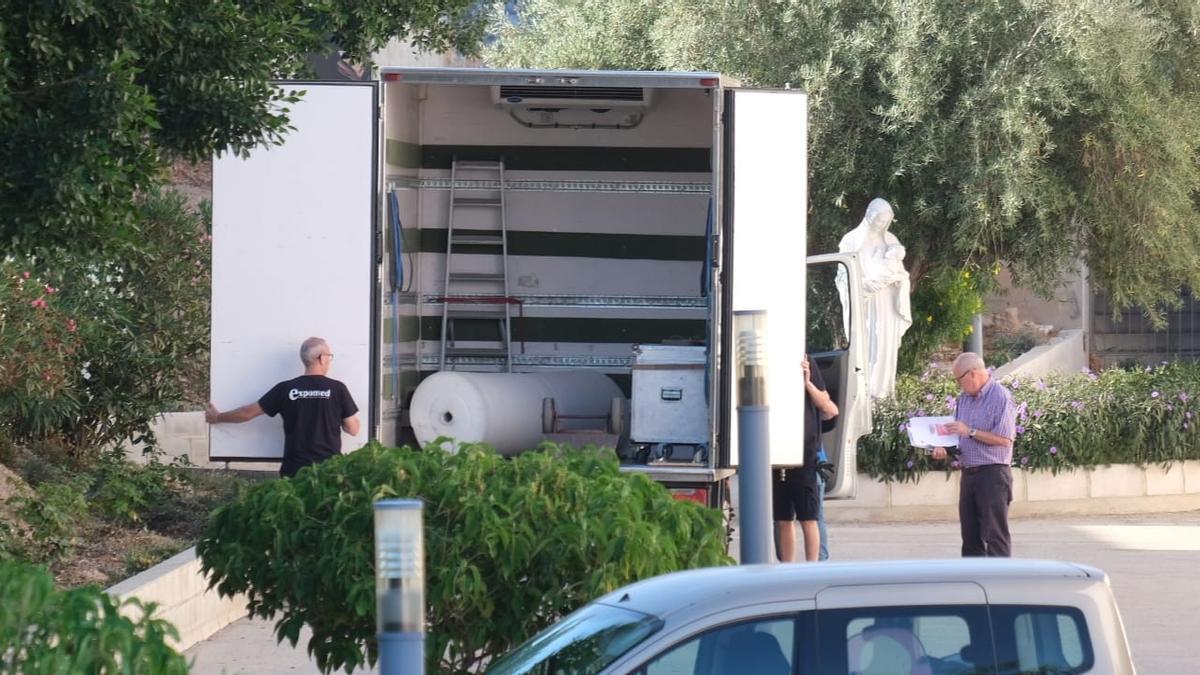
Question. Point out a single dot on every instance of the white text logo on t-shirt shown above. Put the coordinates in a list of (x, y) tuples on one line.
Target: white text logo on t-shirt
[(309, 393)]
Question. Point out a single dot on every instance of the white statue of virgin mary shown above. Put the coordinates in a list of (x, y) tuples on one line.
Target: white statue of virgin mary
[(886, 290)]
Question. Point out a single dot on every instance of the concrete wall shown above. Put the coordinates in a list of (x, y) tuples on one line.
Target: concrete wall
[(1064, 354), (183, 598), (1118, 488), (185, 434), (1066, 308)]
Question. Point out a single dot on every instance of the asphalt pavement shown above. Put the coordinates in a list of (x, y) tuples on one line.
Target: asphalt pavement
[(1153, 561)]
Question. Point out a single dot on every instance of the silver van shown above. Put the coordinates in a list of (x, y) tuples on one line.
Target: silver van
[(919, 617)]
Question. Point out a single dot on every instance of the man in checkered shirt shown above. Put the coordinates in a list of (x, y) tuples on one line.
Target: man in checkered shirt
[(986, 423)]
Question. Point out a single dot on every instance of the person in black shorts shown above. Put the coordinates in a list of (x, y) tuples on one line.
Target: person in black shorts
[(316, 410), (794, 490)]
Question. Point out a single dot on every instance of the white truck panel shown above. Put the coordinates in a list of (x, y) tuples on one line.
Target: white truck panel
[(770, 199), (292, 228)]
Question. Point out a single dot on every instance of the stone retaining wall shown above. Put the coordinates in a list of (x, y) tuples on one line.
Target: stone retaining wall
[(1118, 488)]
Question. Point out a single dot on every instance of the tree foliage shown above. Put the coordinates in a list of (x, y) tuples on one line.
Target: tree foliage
[(96, 95), (511, 545), (1033, 132), (106, 337)]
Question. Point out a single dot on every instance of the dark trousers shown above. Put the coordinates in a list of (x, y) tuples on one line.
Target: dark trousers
[(983, 498)]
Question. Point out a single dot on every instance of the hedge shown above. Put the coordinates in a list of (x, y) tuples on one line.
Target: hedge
[(511, 545), (1136, 415)]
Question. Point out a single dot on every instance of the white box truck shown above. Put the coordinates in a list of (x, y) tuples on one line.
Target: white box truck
[(536, 223)]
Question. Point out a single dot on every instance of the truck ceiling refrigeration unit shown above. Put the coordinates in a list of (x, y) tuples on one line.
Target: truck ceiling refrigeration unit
[(540, 228)]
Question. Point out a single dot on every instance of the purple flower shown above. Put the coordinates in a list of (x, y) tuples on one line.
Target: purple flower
[(1022, 408), (1170, 407), (920, 413), (928, 397), (1154, 394), (1183, 396), (1077, 405), (1020, 429), (1040, 386), (955, 464), (1053, 450), (903, 426), (1038, 413), (1024, 461), (951, 403), (909, 464), (1016, 384), (1162, 363)]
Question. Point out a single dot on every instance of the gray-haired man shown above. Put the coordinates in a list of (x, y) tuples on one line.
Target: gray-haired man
[(986, 423), (315, 408)]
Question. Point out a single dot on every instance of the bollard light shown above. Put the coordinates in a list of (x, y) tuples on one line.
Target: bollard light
[(750, 329), (400, 585), (754, 455)]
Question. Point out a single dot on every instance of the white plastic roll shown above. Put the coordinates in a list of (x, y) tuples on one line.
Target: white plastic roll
[(504, 410)]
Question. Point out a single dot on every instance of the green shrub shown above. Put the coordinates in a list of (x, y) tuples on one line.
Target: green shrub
[(511, 545), (53, 515), (43, 630), (1144, 415), (943, 305), (125, 492)]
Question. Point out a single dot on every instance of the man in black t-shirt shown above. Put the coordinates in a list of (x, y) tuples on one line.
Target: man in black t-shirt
[(316, 410), (794, 490)]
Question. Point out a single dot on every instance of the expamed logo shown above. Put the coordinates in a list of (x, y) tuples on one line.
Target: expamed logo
[(309, 393)]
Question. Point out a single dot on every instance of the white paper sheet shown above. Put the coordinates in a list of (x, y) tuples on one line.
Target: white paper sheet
[(930, 432)]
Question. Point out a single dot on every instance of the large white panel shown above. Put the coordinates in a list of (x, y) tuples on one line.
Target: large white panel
[(292, 228), (770, 200)]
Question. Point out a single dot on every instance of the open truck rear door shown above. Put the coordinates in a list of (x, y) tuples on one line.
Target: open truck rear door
[(766, 202), (293, 248), (837, 343)]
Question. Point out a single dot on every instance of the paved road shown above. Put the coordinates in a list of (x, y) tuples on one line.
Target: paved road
[(1153, 560)]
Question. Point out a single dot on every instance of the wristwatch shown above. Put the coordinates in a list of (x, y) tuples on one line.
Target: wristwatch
[(972, 432)]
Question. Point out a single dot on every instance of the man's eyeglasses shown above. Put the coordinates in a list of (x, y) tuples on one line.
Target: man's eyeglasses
[(960, 377)]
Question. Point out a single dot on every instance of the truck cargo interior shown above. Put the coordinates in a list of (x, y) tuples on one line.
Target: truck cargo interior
[(552, 228)]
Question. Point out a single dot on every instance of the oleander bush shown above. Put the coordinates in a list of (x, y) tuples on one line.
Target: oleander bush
[(511, 545), (44, 630), (1137, 415)]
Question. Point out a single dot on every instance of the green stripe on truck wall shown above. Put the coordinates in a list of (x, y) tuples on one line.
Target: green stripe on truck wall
[(402, 154), (552, 329), (571, 158), (576, 245)]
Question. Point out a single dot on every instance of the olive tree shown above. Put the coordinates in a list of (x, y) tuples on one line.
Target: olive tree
[(1031, 132)]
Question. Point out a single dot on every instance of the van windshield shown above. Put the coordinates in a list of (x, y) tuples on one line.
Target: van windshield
[(587, 641)]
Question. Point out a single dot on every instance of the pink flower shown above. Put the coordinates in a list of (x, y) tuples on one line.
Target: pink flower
[(1154, 394), (39, 303), (1024, 461), (25, 275), (71, 325), (50, 289)]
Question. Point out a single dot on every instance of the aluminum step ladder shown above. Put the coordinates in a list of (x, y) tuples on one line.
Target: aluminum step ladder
[(473, 294)]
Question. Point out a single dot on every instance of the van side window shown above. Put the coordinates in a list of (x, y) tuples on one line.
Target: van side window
[(763, 647), (914, 640), (828, 308), (1042, 640)]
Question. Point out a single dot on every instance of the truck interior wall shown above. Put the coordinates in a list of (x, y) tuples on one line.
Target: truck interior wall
[(603, 245), (399, 329)]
